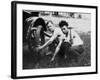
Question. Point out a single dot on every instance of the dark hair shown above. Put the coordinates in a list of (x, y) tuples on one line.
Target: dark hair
[(62, 23), (38, 22)]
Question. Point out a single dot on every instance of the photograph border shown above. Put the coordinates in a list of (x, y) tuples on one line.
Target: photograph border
[(14, 38)]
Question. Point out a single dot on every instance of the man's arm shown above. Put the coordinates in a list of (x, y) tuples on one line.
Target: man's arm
[(57, 50), (54, 36), (47, 34)]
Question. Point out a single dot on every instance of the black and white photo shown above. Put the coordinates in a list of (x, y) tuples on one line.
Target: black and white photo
[(53, 39)]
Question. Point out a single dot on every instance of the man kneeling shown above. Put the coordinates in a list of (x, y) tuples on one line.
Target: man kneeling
[(72, 44)]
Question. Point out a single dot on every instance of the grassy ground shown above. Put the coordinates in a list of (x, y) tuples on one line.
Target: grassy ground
[(32, 60)]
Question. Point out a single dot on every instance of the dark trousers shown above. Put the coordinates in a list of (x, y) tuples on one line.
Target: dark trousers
[(64, 49), (70, 51)]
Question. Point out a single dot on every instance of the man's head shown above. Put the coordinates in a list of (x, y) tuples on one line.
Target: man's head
[(64, 26), (50, 25)]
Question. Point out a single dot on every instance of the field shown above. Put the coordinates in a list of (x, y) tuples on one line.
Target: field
[(34, 61)]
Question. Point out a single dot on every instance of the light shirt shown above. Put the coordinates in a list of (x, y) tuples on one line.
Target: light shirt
[(57, 34), (75, 37), (61, 36)]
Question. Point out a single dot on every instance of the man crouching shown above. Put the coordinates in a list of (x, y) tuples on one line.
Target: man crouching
[(56, 34), (73, 44)]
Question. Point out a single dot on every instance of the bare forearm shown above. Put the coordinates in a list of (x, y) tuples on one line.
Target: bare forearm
[(46, 44), (49, 41), (47, 34), (57, 50)]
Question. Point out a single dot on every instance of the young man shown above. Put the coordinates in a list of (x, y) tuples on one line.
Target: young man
[(57, 33), (73, 39)]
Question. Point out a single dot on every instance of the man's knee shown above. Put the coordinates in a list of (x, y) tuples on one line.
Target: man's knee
[(79, 49), (64, 49)]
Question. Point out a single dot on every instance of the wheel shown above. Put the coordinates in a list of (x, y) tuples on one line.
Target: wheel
[(36, 38)]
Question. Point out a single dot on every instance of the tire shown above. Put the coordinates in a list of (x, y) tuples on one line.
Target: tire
[(36, 38)]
